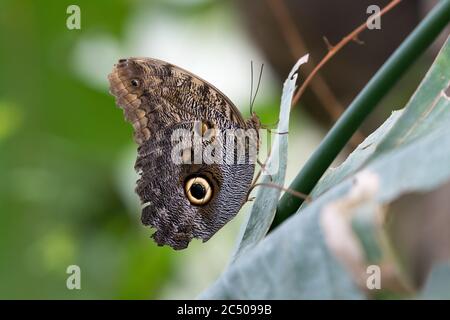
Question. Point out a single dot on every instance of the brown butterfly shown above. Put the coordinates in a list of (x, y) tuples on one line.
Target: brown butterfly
[(187, 199)]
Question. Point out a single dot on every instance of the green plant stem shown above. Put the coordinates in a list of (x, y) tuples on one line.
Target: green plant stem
[(386, 77)]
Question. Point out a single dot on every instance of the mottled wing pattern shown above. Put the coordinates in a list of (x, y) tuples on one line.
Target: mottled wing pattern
[(159, 98), (154, 92)]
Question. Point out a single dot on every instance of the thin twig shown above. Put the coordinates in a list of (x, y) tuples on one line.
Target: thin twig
[(335, 49), (297, 47)]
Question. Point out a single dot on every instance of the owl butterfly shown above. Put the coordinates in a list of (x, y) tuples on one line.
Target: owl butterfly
[(194, 155)]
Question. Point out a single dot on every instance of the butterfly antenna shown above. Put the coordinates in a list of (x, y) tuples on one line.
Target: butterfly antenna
[(251, 85), (257, 87)]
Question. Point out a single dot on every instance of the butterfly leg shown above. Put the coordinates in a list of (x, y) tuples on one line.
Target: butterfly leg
[(296, 194), (258, 175)]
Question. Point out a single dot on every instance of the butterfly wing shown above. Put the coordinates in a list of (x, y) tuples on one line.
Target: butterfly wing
[(160, 99)]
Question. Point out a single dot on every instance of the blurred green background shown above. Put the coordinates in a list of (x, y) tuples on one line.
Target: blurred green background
[(67, 155)]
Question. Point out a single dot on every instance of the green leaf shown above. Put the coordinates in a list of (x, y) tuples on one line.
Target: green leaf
[(324, 251), (426, 112), (290, 263), (438, 284), (335, 140), (263, 209), (294, 261), (358, 157), (408, 154)]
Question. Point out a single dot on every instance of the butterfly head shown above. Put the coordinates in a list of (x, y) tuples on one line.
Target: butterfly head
[(254, 121)]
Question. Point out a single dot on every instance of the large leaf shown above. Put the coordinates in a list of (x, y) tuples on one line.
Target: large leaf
[(294, 260), (323, 252), (438, 284), (358, 158), (418, 118)]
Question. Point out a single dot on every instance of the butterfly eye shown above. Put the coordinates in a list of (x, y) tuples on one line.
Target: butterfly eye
[(135, 83), (198, 191)]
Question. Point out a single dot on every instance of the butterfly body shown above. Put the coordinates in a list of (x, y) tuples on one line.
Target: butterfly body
[(195, 194)]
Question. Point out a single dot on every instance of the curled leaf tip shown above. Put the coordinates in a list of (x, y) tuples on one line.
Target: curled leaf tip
[(293, 74)]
